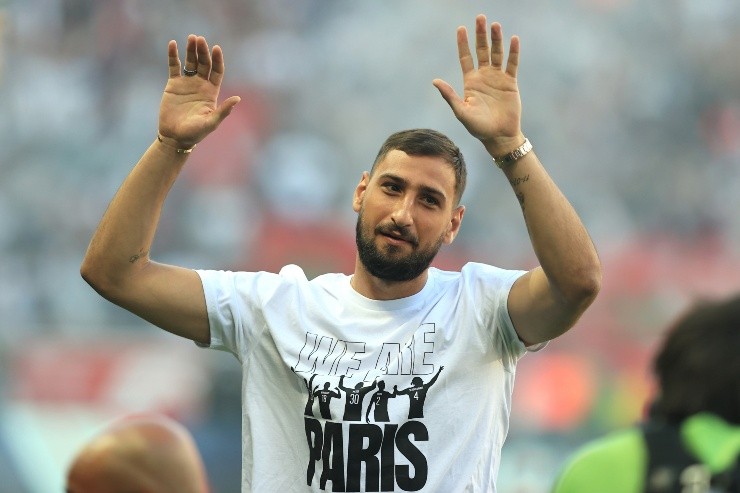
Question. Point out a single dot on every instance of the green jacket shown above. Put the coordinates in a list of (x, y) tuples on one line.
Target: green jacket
[(617, 462)]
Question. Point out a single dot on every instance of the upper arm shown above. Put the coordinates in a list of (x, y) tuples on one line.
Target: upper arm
[(536, 310), (168, 296)]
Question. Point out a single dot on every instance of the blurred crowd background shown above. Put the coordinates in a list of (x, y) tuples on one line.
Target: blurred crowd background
[(632, 105)]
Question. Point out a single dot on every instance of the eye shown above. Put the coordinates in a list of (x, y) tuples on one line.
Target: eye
[(430, 200), (391, 187)]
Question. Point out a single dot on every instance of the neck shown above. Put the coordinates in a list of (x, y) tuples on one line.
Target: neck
[(375, 288)]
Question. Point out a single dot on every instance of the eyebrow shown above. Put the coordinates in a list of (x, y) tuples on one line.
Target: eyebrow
[(423, 188)]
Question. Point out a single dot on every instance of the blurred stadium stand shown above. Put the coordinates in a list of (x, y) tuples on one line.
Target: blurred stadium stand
[(633, 105)]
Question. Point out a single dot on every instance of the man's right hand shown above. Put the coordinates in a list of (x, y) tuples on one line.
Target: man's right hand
[(189, 109)]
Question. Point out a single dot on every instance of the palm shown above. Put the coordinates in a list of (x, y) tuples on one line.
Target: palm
[(490, 108), (189, 108), (491, 105)]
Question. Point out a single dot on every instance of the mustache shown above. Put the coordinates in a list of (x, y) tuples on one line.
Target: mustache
[(398, 232)]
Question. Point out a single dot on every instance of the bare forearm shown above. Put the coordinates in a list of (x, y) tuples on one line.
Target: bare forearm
[(562, 245), (123, 239)]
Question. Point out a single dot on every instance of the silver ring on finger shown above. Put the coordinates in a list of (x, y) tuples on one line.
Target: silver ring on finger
[(189, 73)]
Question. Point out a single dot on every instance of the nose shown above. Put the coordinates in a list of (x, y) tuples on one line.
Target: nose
[(402, 216)]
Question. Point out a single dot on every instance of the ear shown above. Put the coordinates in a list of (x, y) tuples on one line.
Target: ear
[(360, 191), (455, 222)]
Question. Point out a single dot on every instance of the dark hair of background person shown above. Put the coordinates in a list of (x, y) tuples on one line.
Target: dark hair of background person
[(697, 366)]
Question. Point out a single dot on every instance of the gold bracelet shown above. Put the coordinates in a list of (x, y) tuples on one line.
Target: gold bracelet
[(514, 155), (187, 150)]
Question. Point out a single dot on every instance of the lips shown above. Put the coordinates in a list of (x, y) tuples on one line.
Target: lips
[(396, 238), (397, 235)]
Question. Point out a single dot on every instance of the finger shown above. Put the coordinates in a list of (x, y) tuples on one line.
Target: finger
[(497, 45), (173, 59), (448, 93), (481, 42), (217, 67), (463, 50), (225, 108), (204, 57), (191, 57), (512, 64)]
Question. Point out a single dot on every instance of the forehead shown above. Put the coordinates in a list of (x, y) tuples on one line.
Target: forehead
[(428, 171)]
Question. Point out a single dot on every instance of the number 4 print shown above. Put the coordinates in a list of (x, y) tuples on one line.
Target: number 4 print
[(417, 394)]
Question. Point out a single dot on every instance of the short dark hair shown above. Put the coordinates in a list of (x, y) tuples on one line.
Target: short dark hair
[(697, 366), (427, 142)]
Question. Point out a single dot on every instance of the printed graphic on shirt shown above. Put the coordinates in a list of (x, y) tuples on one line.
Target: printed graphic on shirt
[(377, 454), (309, 403), (353, 399), (379, 400), (417, 394), (325, 396)]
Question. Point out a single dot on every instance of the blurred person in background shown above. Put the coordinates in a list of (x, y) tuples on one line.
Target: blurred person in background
[(142, 453), (690, 441), (395, 319)]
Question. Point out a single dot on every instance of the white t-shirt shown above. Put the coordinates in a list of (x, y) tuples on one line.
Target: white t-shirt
[(344, 393)]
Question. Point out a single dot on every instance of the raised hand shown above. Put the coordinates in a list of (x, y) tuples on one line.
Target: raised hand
[(189, 109), (490, 108)]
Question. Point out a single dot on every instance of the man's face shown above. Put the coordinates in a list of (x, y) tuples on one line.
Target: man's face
[(406, 211)]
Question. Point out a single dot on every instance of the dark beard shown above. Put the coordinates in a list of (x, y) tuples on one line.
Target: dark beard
[(387, 267)]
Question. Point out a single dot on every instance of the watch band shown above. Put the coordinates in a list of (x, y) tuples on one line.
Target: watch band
[(514, 155)]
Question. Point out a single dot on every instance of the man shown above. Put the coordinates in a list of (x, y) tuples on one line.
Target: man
[(394, 319), (690, 442), (143, 453)]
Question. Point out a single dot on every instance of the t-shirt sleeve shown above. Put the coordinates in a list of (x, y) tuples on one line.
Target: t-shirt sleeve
[(234, 301), (491, 286)]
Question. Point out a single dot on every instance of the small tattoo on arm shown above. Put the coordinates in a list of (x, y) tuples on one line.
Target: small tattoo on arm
[(520, 197), (515, 182), (519, 180), (133, 258)]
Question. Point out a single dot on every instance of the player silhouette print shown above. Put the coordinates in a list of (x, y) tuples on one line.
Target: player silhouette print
[(417, 394), (353, 399), (325, 396), (311, 396), (380, 400)]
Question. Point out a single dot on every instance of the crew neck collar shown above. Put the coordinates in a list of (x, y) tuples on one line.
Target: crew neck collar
[(391, 305)]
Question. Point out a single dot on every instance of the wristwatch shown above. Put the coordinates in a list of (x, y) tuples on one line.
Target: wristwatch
[(514, 155)]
